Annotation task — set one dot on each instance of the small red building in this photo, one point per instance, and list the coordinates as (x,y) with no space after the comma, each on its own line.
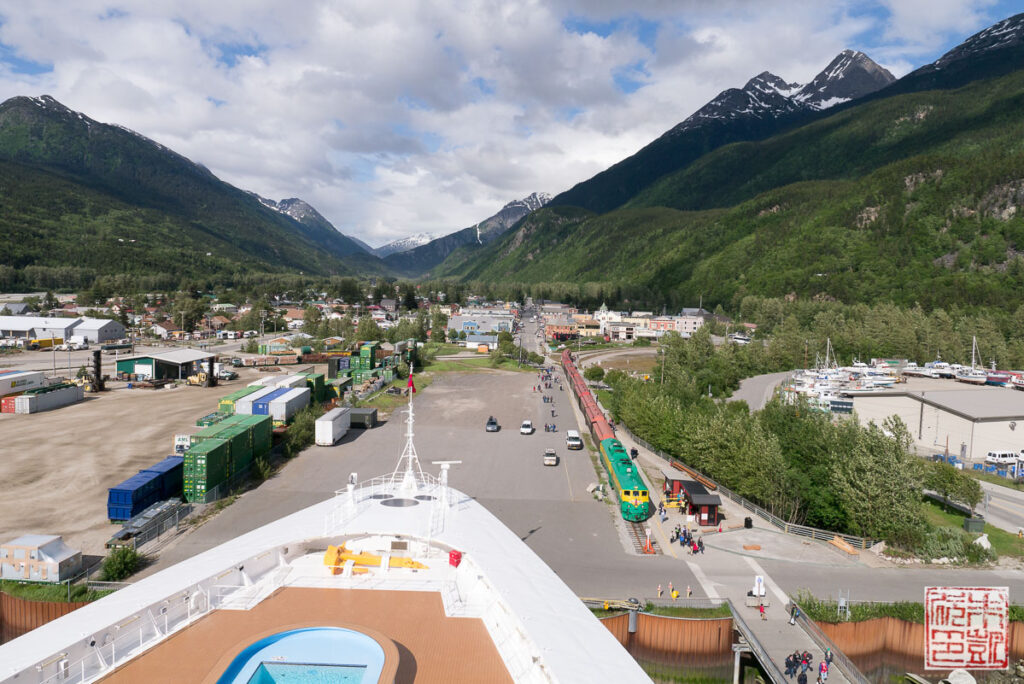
(698,502)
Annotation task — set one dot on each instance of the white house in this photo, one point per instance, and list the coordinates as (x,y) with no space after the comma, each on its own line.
(39,557)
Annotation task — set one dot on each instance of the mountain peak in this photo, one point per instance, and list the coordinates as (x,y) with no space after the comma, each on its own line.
(851,74)
(1003,34)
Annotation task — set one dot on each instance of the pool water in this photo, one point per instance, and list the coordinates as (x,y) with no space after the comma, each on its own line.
(305,673)
(313,655)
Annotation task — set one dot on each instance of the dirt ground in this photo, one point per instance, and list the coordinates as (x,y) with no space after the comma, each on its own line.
(56,466)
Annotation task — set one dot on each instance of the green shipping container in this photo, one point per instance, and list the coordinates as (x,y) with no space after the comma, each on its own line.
(211,419)
(206,465)
(315,382)
(262,430)
(227,404)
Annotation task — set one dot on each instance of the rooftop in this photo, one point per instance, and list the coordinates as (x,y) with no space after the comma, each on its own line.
(990,403)
(177,356)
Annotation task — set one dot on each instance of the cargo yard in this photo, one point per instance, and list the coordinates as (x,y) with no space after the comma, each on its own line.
(58,465)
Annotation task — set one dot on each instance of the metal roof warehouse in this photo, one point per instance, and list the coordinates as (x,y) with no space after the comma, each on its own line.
(176,364)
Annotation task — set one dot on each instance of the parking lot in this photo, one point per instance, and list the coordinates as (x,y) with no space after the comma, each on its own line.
(548,507)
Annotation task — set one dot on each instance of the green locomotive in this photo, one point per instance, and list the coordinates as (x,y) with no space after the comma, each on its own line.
(634,499)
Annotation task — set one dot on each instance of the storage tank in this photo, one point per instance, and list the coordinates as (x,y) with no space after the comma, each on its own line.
(332,426)
(283,408)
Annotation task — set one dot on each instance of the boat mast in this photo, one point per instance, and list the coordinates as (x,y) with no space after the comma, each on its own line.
(409,456)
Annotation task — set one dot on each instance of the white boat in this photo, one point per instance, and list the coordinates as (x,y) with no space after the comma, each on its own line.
(940,368)
(1017,382)
(915,371)
(973,375)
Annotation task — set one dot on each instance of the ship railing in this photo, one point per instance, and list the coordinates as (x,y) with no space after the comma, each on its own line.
(115,644)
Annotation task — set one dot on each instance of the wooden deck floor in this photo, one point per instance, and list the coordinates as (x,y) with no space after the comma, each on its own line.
(430,647)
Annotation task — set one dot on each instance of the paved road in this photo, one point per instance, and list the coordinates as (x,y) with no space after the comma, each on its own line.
(756,391)
(1003,507)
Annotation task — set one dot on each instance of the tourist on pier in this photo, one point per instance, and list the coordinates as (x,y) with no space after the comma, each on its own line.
(790,669)
(823,670)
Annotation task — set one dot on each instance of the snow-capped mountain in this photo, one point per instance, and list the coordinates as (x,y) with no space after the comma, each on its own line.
(421,258)
(1006,33)
(850,75)
(304,213)
(404,244)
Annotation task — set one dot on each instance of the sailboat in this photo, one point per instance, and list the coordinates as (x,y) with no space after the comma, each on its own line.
(973,375)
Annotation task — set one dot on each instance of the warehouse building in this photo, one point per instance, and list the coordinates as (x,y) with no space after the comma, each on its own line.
(39,558)
(99,330)
(971,422)
(174,365)
(33,327)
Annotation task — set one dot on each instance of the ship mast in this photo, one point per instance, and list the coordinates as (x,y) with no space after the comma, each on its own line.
(413,473)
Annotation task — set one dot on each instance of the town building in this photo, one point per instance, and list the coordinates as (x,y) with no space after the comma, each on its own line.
(175,365)
(482,343)
(98,330)
(480,324)
(39,558)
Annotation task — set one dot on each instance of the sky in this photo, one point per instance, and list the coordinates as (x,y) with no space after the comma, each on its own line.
(400,117)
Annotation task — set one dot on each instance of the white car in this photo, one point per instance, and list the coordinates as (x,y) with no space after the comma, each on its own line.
(526,428)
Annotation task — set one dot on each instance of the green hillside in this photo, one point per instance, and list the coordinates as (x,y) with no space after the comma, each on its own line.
(912,198)
(78,194)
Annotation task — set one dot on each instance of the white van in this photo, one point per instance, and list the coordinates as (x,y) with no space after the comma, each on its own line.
(572,440)
(1002,458)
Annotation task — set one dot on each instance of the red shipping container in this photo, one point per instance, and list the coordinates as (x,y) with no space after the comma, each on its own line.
(7,403)
(454,558)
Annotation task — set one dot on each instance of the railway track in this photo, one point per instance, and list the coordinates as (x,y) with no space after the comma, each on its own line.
(638,535)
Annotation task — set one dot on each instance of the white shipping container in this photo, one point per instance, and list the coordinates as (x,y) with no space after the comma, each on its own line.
(58,398)
(288,404)
(332,426)
(292,381)
(243,406)
(26,403)
(19,381)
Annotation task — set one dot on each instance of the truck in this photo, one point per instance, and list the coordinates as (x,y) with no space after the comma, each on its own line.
(45,343)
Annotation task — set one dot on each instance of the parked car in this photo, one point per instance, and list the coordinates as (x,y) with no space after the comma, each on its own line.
(492,424)
(526,428)
(226,374)
(237,362)
(572,440)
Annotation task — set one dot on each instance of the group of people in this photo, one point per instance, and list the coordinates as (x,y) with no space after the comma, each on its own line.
(674,593)
(687,540)
(798,664)
(549,427)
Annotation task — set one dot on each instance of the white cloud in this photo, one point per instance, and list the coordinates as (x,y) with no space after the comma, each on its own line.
(403,117)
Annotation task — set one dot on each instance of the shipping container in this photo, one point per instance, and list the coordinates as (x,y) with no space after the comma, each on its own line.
(283,408)
(133,495)
(332,426)
(291,381)
(363,417)
(19,381)
(211,419)
(57,398)
(261,407)
(227,404)
(315,383)
(206,466)
(7,403)
(244,405)
(171,471)
(261,433)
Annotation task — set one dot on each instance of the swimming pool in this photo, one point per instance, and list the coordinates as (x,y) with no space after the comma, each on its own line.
(313,655)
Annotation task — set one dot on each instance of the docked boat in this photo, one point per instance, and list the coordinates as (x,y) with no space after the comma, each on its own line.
(940,368)
(1017,382)
(998,378)
(973,375)
(915,371)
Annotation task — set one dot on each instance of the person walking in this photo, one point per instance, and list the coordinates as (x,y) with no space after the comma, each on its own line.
(801,678)
(823,670)
(689,592)
(659,591)
(828,656)
(793,612)
(760,607)
(789,666)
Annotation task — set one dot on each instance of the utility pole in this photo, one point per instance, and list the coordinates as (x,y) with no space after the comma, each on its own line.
(663,357)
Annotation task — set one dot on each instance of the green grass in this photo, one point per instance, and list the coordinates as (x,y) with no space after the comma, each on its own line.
(996,480)
(824,610)
(50,592)
(1003,543)
(721,611)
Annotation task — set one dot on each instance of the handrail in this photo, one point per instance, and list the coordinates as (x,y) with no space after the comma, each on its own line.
(787,527)
(771,668)
(819,637)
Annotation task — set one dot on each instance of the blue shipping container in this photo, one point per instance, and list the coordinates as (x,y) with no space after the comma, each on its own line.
(261,407)
(171,473)
(135,494)
(119,512)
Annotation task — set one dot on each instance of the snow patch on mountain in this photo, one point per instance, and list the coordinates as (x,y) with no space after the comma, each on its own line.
(1003,34)
(404,244)
(851,74)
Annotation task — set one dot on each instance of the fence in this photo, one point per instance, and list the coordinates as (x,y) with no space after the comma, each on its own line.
(787,527)
(19,616)
(809,626)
